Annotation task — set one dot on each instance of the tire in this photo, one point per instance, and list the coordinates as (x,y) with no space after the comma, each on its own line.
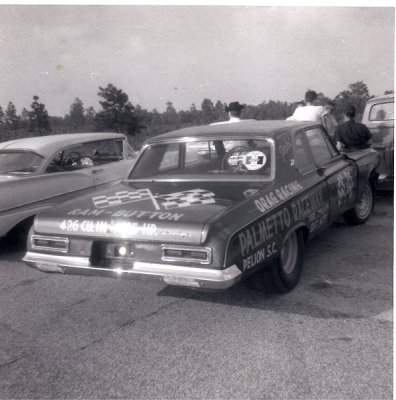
(359,214)
(283,274)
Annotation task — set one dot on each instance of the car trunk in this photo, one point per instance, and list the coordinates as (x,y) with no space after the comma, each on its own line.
(166,211)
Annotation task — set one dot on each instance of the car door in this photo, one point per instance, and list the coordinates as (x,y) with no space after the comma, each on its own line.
(51,184)
(379,118)
(314,182)
(83,166)
(340,173)
(113,160)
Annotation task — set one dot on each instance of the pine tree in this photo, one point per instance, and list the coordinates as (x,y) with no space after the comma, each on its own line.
(2,117)
(117,112)
(11,117)
(38,118)
(77,117)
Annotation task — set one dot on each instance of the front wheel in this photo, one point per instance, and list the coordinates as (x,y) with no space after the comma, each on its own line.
(361,212)
(283,274)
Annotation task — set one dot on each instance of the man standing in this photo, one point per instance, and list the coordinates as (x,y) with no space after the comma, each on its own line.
(234,112)
(309,112)
(351,134)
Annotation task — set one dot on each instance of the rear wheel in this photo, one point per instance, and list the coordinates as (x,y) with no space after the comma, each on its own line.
(283,274)
(361,212)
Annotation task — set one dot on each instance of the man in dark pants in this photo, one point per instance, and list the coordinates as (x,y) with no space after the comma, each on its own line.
(351,134)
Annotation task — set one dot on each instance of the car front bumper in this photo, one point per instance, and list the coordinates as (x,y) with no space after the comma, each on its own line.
(170,274)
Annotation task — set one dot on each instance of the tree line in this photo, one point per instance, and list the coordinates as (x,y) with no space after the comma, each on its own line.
(117,114)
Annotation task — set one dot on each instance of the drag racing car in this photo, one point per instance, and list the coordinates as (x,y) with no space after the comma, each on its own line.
(208,206)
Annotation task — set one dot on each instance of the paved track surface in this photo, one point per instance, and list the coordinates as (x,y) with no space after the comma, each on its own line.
(64,336)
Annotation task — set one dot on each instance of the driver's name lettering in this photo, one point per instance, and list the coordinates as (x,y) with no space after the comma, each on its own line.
(148,214)
(259,256)
(256,235)
(86,212)
(273,198)
(162,216)
(123,228)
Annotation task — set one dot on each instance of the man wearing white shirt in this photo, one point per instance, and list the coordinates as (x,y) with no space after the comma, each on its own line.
(309,112)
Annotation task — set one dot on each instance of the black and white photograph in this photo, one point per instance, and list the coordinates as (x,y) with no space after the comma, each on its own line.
(196,201)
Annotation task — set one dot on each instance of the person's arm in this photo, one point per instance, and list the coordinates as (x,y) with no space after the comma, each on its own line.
(323,115)
(295,116)
(324,119)
(338,138)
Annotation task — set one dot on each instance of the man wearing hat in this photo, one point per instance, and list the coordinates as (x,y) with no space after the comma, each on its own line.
(234,110)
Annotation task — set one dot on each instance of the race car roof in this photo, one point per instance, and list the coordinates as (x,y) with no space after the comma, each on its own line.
(245,127)
(48,145)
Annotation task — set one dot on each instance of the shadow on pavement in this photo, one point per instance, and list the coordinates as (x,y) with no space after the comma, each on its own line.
(314,296)
(245,297)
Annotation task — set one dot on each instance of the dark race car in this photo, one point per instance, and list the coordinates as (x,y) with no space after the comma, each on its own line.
(207,206)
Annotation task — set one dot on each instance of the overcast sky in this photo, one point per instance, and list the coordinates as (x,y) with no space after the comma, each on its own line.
(184,54)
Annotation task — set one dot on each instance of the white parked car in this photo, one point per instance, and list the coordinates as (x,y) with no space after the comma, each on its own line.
(40,172)
(379,117)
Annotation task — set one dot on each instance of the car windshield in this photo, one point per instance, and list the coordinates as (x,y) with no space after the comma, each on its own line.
(237,159)
(19,162)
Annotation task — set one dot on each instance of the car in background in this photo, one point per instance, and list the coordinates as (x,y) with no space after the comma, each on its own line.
(379,116)
(207,206)
(37,173)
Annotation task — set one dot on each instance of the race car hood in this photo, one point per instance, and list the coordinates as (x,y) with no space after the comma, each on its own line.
(155,211)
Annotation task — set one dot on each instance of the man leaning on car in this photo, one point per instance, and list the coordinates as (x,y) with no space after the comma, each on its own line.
(352,134)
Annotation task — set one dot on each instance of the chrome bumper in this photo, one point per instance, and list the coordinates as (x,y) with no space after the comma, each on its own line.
(170,274)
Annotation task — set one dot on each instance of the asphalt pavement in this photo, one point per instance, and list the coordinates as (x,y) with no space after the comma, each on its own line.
(75,337)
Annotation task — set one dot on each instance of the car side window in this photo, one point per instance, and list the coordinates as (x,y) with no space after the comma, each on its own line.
(321,148)
(302,159)
(104,151)
(382,112)
(170,158)
(86,155)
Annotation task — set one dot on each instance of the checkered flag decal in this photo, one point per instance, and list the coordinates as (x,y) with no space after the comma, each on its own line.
(121,198)
(187,198)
